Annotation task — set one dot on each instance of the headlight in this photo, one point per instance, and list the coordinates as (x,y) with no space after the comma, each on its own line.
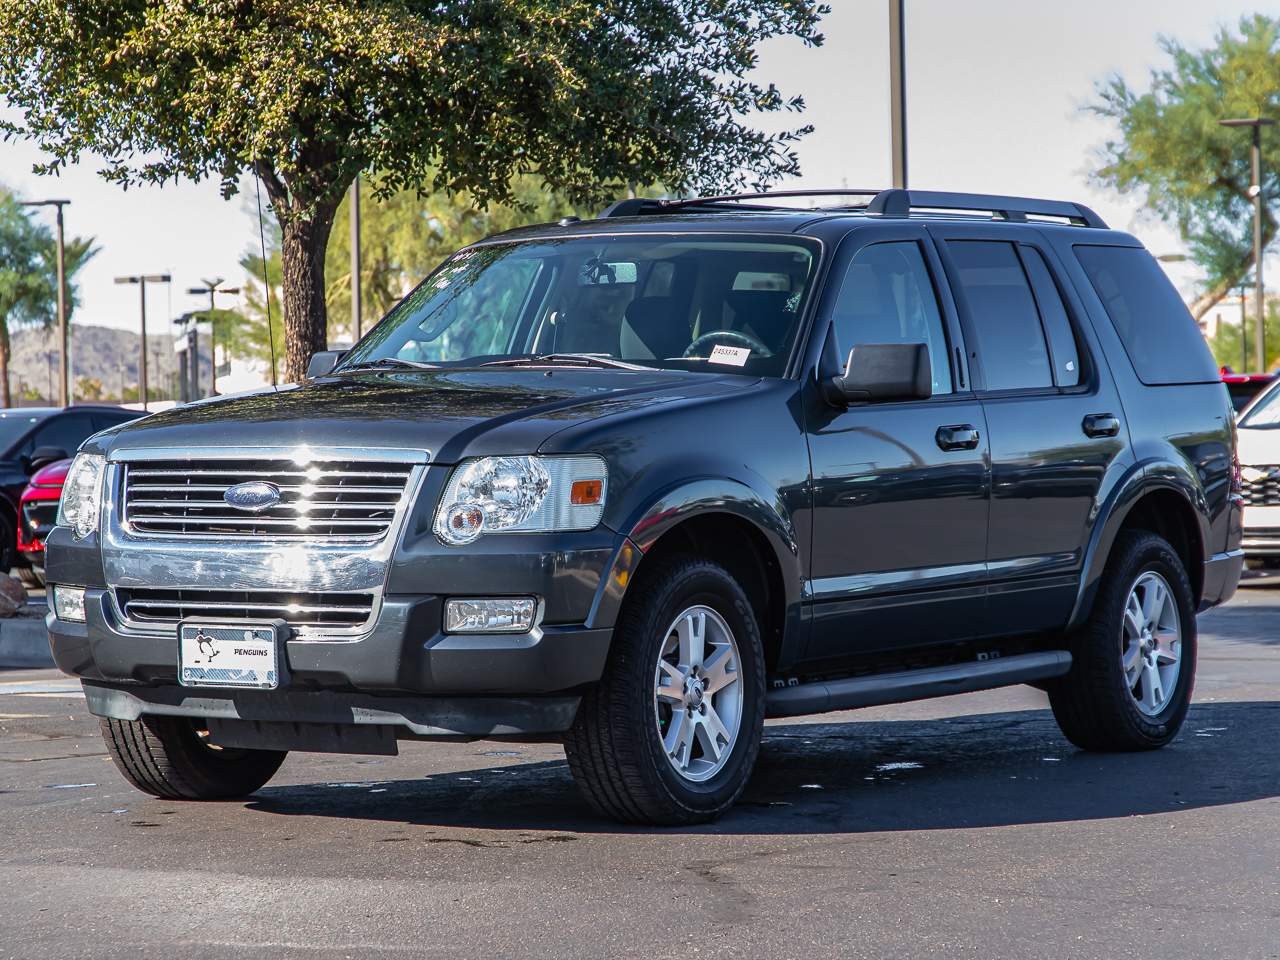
(81,500)
(521,495)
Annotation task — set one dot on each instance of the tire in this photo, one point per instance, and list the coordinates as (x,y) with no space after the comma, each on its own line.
(168,758)
(1095,704)
(8,543)
(615,747)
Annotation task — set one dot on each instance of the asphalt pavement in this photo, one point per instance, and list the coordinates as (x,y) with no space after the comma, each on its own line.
(965,827)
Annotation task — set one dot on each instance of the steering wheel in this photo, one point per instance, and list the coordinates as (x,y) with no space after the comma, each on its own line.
(737,336)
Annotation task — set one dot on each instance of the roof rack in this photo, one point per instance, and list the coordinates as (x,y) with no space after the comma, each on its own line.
(893,203)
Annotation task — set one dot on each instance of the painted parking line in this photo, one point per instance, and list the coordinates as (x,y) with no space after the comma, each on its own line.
(56,688)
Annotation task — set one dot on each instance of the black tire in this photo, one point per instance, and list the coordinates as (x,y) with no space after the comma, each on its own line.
(8,543)
(1093,703)
(168,758)
(614,749)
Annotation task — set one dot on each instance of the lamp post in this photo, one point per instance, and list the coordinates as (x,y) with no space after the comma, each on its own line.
(211,287)
(142,280)
(1255,192)
(898,90)
(64,398)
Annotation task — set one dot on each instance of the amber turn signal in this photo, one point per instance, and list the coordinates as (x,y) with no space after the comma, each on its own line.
(586,492)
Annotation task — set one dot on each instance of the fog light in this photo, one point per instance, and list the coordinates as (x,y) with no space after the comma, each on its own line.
(490,615)
(68,603)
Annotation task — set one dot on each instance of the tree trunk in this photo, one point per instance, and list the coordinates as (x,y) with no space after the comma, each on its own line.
(305,317)
(5,395)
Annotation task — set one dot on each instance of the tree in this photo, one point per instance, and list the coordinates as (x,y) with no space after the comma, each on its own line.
(28,276)
(1228,347)
(1192,172)
(439,95)
(89,388)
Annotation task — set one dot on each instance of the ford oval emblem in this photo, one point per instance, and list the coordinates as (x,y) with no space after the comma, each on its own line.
(254,496)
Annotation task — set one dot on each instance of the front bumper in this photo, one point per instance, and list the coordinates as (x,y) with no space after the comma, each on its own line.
(405,653)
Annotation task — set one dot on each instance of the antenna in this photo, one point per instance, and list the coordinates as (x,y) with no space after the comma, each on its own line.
(266,278)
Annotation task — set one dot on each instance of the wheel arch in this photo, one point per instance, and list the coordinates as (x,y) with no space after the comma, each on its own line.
(1162,500)
(733,524)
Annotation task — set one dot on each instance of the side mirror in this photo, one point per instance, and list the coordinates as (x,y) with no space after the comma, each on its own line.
(322,362)
(43,456)
(882,372)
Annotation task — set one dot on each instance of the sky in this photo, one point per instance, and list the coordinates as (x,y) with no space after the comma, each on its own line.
(995,91)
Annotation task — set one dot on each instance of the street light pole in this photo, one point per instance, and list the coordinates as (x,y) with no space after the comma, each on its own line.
(64,397)
(355,260)
(142,280)
(211,287)
(1255,191)
(898,90)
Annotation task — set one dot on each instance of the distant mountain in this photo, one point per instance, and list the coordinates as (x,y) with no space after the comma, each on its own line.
(106,354)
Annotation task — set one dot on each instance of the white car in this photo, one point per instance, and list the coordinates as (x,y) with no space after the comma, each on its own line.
(1258,448)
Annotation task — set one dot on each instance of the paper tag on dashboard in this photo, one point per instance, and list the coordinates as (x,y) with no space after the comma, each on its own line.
(733,356)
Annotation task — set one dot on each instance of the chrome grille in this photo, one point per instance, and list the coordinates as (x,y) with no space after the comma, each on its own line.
(320,610)
(355,500)
(1262,491)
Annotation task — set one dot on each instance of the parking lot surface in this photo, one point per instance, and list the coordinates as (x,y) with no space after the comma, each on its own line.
(965,827)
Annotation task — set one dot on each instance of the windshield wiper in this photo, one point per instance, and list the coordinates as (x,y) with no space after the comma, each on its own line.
(572,359)
(393,363)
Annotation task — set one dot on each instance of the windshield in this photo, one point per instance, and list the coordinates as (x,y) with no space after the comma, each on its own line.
(1266,412)
(14,426)
(672,302)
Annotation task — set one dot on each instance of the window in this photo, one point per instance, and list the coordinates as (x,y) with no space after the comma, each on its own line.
(66,432)
(887,297)
(1062,339)
(1005,320)
(1163,342)
(659,301)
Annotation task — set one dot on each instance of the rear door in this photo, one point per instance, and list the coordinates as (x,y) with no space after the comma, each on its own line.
(1056,424)
(899,488)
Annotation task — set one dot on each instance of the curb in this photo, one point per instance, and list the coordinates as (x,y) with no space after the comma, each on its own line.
(24,642)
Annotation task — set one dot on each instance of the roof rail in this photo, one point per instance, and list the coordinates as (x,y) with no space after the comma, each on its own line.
(885,203)
(900,203)
(646,206)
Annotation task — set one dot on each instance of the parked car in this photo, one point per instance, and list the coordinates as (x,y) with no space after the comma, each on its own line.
(37,513)
(30,438)
(1243,387)
(1259,451)
(641,482)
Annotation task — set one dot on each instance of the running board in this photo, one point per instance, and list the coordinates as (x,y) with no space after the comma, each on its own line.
(870,691)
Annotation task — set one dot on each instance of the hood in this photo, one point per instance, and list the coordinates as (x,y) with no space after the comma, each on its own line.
(450,413)
(51,475)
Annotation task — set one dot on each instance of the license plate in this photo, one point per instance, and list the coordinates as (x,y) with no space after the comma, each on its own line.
(225,655)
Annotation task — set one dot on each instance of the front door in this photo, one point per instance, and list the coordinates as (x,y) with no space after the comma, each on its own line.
(900,489)
(1058,432)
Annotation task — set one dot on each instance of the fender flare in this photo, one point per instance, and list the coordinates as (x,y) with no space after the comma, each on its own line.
(684,501)
(1142,478)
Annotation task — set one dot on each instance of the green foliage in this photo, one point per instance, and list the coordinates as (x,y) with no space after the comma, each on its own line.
(246,334)
(89,388)
(1192,172)
(404,236)
(436,95)
(1226,345)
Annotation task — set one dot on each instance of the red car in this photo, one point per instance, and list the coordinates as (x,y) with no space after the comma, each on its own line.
(37,511)
(1243,387)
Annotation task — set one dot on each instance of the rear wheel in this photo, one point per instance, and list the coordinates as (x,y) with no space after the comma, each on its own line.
(670,734)
(1134,661)
(172,758)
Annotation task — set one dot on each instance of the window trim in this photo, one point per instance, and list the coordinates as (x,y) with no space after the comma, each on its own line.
(1084,356)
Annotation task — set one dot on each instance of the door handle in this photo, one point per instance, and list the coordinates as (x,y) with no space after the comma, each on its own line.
(1101,425)
(962,436)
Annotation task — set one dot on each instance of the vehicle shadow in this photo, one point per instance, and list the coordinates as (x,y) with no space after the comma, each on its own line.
(973,771)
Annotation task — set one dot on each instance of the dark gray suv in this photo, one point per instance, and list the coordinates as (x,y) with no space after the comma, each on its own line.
(642,482)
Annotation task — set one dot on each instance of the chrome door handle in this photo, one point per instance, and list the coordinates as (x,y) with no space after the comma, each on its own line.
(962,436)
(1101,425)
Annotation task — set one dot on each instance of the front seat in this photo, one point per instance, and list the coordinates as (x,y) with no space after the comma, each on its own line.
(763,314)
(654,328)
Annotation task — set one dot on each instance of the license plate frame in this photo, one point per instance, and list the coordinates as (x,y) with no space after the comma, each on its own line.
(232,654)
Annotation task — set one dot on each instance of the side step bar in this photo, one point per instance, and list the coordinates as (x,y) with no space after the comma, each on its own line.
(884,688)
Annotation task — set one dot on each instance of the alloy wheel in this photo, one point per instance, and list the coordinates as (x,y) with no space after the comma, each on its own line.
(1151,643)
(698,693)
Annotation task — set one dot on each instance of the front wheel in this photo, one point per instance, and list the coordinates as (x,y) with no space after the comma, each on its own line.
(1134,661)
(670,734)
(172,758)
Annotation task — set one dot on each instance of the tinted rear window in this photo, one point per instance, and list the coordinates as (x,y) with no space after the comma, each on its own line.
(1162,340)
